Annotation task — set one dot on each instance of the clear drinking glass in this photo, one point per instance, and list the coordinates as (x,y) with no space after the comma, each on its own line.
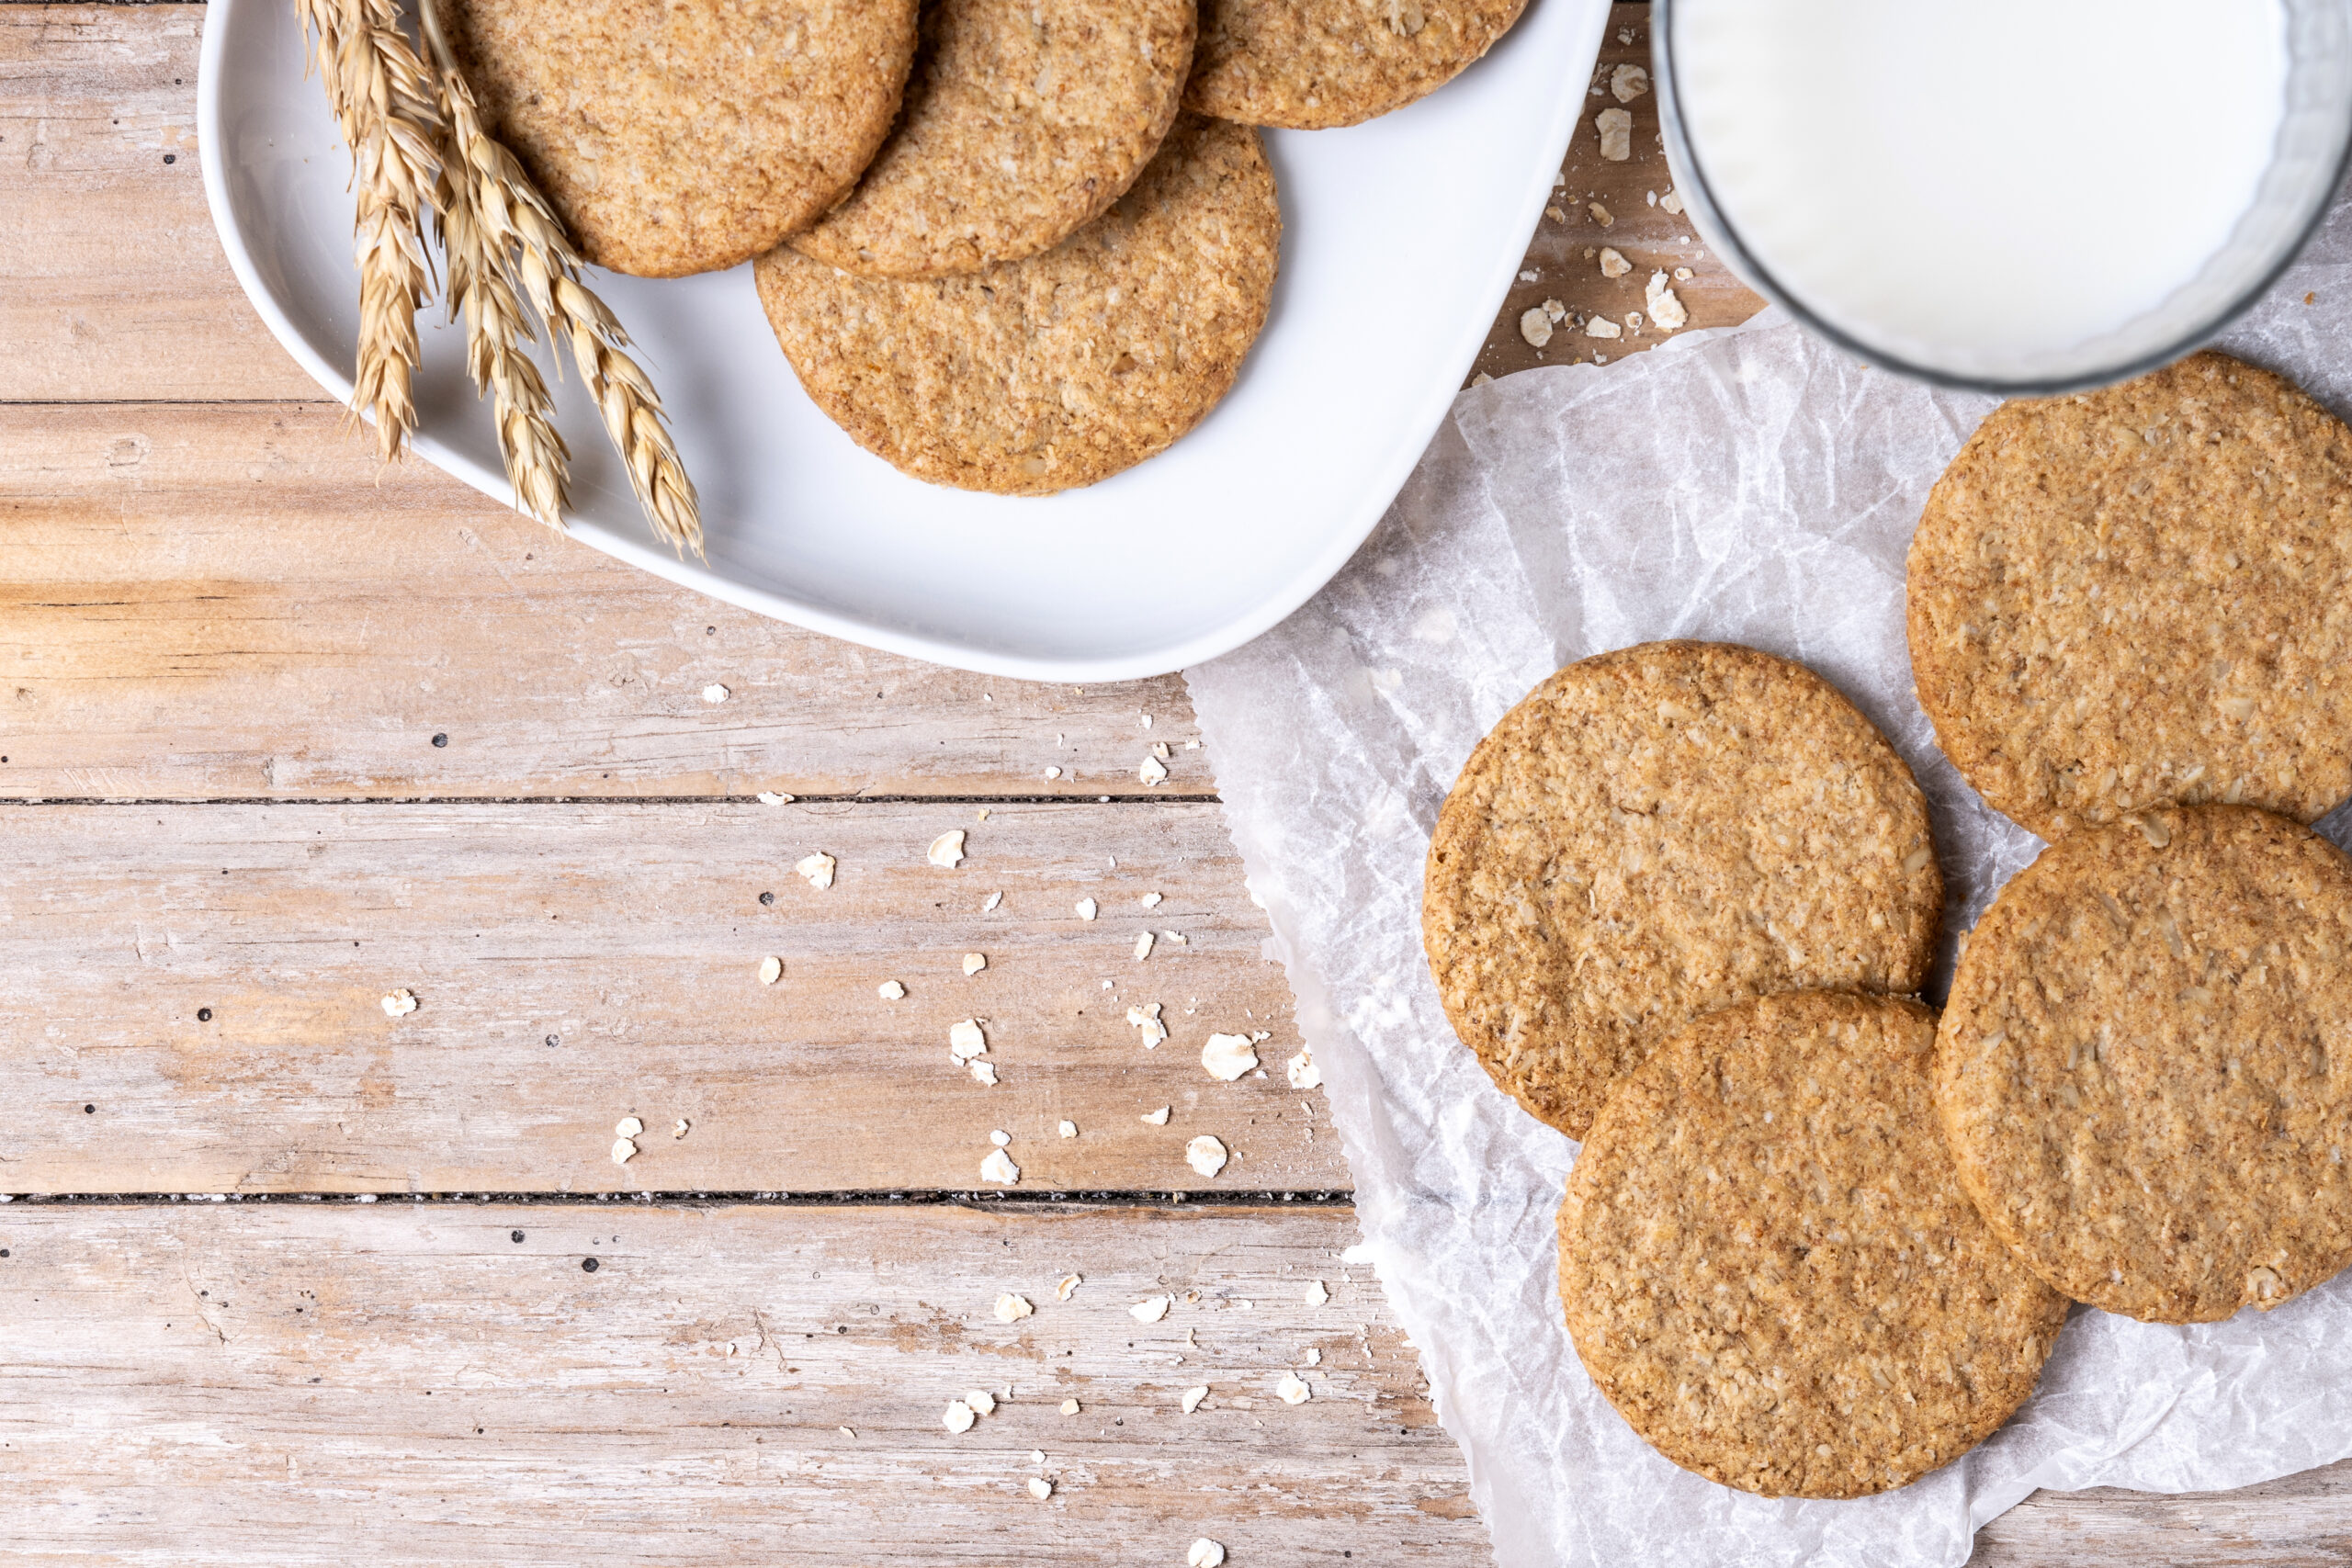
(2307,164)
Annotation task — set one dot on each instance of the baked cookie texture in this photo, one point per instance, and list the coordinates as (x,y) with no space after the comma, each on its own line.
(1042,375)
(1313,65)
(1023,119)
(2146,1069)
(2142,596)
(1770,1269)
(1658,832)
(682,136)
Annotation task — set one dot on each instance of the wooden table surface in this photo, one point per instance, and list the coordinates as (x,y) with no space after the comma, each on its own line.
(283,1279)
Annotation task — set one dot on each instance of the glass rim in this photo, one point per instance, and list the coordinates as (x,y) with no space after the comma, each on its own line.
(1708,215)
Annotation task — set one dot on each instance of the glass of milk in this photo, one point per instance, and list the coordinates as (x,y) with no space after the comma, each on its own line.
(2016,196)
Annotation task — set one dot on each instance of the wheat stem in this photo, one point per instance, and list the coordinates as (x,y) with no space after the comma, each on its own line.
(380,97)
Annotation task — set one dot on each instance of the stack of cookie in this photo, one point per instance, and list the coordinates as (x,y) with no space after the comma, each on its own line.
(1819,1241)
(1008,245)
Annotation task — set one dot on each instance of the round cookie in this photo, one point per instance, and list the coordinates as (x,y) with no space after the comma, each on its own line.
(1046,374)
(2145,1070)
(675,138)
(1313,65)
(1770,1269)
(1023,121)
(2142,596)
(1658,832)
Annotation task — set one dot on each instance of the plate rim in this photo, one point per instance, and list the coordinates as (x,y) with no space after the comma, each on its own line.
(1268,612)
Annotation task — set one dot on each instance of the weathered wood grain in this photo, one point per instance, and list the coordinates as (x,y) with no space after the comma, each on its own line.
(630,935)
(230,601)
(2300,1521)
(112,282)
(308,1386)
(1564,253)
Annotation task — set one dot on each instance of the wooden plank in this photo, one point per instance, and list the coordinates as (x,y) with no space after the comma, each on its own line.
(97,148)
(1564,253)
(304,1385)
(230,601)
(2299,1521)
(629,935)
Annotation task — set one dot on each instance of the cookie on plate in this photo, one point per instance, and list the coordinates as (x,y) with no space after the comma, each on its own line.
(676,138)
(1658,832)
(1313,65)
(2142,596)
(1046,374)
(1770,1269)
(1023,119)
(2146,1069)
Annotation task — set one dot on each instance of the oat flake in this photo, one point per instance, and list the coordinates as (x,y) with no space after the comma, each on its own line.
(1067,1129)
(1151,1309)
(958,1417)
(1011,1308)
(974,962)
(1143,946)
(1040,1488)
(1290,1390)
(1204,1553)
(1316,1294)
(818,869)
(946,851)
(1227,1056)
(964,1040)
(1069,1406)
(771,970)
(983,1072)
(999,1167)
(1087,908)
(1067,1287)
(1157,1118)
(1206,1154)
(889,990)
(627,1127)
(1303,1072)
(1192,1398)
(400,1003)
(982,1402)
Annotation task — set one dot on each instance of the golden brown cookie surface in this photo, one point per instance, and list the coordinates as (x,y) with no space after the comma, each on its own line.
(2146,1069)
(1046,374)
(2142,596)
(1658,832)
(1770,1269)
(675,137)
(1023,119)
(1312,64)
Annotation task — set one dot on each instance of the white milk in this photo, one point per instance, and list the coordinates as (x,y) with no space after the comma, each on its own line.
(1965,182)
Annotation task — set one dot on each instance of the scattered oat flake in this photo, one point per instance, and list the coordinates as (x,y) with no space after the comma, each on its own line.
(1000,1138)
(1555,214)
(1176,937)
(1227,1056)
(984,813)
(982,1072)
(946,851)
(1316,1295)
(1628,82)
(1151,900)
(1151,1309)
(1672,202)
(999,1167)
(982,1402)
(1527,276)
(771,970)
(682,1129)
(1052,773)
(1067,1287)
(627,1127)
(974,962)
(1192,1398)
(1290,1390)
(773,797)
(1206,1154)
(714,694)
(1040,1488)
(965,1040)
(988,905)
(1535,327)
(846,1432)
(1067,1129)
(623,1151)
(1602,326)
(1613,263)
(958,1417)
(1153,771)
(1616,129)
(1146,1016)
(400,1003)
(1304,1073)
(1204,1553)
(1482,380)
(1157,1118)
(1666,307)
(1599,214)
(1087,908)
(1069,1406)
(818,869)
(1143,946)
(1011,1308)
(889,990)
(1314,1356)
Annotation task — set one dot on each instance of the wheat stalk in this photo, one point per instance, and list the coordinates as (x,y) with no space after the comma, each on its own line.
(515,236)
(379,90)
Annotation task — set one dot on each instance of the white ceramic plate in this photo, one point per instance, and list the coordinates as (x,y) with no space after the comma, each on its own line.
(1400,238)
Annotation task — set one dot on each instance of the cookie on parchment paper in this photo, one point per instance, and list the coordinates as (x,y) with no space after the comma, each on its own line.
(1658,832)
(1042,375)
(2145,1068)
(1313,65)
(1023,119)
(2142,596)
(1768,1264)
(675,138)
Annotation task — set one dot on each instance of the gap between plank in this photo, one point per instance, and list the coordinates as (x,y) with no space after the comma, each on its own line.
(698,1198)
(145,802)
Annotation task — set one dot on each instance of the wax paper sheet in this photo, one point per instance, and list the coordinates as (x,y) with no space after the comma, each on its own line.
(1752,486)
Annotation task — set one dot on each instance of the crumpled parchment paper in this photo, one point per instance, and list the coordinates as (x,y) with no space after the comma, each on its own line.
(1755,486)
